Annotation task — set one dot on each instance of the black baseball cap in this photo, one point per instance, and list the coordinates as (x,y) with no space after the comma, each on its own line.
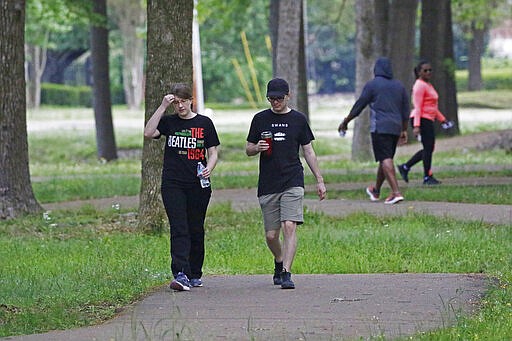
(277,87)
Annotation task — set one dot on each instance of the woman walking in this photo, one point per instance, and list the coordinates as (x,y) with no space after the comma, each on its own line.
(423,115)
(190,139)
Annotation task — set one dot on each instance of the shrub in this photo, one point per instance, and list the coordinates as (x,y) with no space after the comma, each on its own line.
(60,94)
(78,96)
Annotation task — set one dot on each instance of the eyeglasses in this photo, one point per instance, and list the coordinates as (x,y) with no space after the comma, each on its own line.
(276,99)
(179,101)
(427,70)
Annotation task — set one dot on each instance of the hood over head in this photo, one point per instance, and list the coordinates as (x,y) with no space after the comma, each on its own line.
(383,68)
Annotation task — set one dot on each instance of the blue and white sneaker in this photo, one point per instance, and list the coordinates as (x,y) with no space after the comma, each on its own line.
(196,282)
(180,283)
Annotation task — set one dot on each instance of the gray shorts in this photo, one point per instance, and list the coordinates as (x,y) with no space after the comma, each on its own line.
(279,207)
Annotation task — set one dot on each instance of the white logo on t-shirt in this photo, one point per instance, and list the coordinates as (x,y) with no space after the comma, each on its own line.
(280,136)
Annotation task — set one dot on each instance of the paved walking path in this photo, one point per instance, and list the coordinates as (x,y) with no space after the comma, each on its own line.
(322,307)
(246,199)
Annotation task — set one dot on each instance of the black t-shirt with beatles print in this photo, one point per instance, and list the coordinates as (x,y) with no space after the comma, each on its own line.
(283,168)
(187,141)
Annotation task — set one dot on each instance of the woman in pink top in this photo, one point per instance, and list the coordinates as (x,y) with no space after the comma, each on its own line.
(425,112)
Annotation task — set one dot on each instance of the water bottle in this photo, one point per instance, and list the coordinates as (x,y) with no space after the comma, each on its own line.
(447,125)
(267,136)
(204,181)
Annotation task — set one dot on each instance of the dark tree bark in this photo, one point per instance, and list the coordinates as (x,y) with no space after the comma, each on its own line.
(436,45)
(382,27)
(16,195)
(365,59)
(290,57)
(401,40)
(475,52)
(273,23)
(57,62)
(105,139)
(302,90)
(169,60)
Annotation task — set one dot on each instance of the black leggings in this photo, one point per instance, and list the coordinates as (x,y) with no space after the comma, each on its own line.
(186,210)
(428,139)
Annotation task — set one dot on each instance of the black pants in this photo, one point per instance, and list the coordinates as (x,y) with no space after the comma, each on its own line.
(428,140)
(186,210)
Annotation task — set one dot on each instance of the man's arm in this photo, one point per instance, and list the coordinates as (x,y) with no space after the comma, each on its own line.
(358,106)
(252,149)
(405,118)
(310,156)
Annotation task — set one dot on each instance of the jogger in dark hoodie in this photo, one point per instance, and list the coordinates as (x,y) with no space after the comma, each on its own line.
(389,115)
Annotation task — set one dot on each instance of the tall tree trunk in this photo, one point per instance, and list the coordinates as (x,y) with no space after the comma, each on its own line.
(169,60)
(16,195)
(475,51)
(290,54)
(105,139)
(133,69)
(273,23)
(302,91)
(129,16)
(382,27)
(36,64)
(365,59)
(395,25)
(436,45)
(401,38)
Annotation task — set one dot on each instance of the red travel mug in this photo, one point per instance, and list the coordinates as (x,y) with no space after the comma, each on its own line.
(267,136)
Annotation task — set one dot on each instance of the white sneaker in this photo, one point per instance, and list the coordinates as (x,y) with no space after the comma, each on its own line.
(393,199)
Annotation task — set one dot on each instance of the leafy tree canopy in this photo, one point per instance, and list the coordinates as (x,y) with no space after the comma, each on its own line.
(56,24)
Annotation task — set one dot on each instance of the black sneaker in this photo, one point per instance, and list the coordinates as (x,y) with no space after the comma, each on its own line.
(278,268)
(277,278)
(286,280)
(430,181)
(403,172)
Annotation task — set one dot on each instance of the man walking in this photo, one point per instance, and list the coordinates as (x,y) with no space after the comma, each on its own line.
(277,134)
(389,114)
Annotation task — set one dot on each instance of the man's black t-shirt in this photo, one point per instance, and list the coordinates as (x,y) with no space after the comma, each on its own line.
(186,145)
(283,168)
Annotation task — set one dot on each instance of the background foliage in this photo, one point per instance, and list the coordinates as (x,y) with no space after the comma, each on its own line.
(330,43)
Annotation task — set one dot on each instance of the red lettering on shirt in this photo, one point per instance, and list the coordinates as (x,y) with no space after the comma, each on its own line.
(197,132)
(195,154)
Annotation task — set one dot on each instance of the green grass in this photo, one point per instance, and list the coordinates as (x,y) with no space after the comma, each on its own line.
(74,173)
(86,187)
(492,99)
(495,78)
(79,267)
(74,269)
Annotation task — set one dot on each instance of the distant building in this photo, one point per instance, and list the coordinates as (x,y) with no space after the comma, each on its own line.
(500,40)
